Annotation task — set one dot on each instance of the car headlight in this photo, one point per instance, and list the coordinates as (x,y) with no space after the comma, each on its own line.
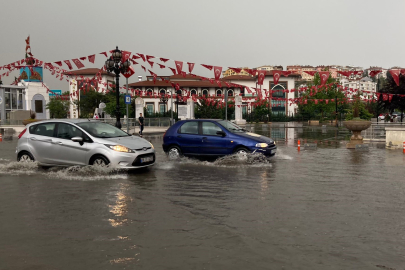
(263,145)
(152,146)
(120,148)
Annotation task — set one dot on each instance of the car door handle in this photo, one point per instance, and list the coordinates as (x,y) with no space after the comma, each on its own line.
(33,139)
(57,142)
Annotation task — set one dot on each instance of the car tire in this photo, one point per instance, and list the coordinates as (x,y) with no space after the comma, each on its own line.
(174,153)
(241,151)
(99,161)
(25,157)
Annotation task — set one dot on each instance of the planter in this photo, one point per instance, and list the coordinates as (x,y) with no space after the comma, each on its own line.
(29,121)
(356,127)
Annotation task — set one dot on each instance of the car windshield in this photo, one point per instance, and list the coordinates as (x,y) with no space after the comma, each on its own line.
(102,130)
(231,126)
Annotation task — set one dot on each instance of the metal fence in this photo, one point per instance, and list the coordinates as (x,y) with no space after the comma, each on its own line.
(377,131)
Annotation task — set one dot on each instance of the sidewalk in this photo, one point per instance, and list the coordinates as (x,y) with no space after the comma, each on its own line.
(147,130)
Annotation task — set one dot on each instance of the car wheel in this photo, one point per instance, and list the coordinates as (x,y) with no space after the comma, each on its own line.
(25,157)
(100,161)
(174,153)
(241,151)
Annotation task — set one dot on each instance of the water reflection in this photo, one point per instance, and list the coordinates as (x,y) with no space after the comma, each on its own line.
(119,208)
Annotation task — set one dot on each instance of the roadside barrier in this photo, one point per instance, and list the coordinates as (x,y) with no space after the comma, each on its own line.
(299,146)
(404,147)
(1,139)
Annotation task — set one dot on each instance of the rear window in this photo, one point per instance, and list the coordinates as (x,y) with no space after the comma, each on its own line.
(189,128)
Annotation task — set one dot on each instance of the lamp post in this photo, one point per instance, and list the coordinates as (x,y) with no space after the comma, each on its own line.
(163,99)
(116,65)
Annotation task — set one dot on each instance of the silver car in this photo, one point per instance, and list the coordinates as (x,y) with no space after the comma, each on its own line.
(83,142)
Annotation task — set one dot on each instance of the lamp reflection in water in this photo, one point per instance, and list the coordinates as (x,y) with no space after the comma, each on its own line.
(119,209)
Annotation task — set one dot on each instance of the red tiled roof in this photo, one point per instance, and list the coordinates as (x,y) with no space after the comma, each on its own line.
(181,83)
(88,71)
(188,76)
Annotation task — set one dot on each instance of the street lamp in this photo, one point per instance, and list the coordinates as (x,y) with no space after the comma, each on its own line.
(116,65)
(163,99)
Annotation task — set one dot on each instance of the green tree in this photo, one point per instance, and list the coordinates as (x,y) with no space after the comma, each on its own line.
(320,109)
(88,102)
(390,87)
(59,106)
(209,108)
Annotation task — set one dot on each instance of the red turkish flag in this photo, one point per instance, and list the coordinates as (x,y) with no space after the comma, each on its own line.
(142,56)
(125,56)
(161,66)
(316,101)
(374,72)
(276,76)
(78,63)
(150,63)
(217,72)
(173,70)
(179,66)
(67,62)
(311,72)
(395,75)
(83,58)
(148,57)
(104,53)
(92,58)
(59,63)
(260,76)
(190,67)
(250,71)
(324,76)
(286,73)
(326,101)
(184,74)
(129,72)
(164,59)
(237,70)
(207,66)
(144,69)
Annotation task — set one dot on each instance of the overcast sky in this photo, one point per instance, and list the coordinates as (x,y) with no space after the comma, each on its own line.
(225,33)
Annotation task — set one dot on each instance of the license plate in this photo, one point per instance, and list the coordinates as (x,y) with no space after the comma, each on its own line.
(146,159)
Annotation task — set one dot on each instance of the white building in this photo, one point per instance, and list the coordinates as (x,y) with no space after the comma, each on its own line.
(365,84)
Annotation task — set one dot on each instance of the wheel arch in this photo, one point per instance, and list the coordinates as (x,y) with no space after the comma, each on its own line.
(94,156)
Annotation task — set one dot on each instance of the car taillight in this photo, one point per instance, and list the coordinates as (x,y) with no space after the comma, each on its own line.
(22,133)
(164,134)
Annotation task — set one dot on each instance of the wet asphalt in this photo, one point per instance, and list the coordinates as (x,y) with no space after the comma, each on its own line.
(322,208)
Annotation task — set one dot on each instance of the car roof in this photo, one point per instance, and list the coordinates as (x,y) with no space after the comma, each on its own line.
(73,121)
(216,120)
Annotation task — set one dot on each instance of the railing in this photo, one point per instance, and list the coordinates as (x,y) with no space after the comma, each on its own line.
(377,131)
(9,122)
(148,122)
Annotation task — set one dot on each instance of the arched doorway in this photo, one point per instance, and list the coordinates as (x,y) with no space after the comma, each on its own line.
(38,105)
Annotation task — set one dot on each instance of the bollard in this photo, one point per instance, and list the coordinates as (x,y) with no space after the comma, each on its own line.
(404,147)
(1,139)
(299,146)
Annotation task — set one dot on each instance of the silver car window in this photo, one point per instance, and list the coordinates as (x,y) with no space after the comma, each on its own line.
(102,130)
(45,129)
(66,131)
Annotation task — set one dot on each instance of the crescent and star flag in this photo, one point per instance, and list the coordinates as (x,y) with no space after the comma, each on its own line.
(67,62)
(311,72)
(260,76)
(78,64)
(207,66)
(286,73)
(276,76)
(324,76)
(237,70)
(179,66)
(125,56)
(190,67)
(217,72)
(395,75)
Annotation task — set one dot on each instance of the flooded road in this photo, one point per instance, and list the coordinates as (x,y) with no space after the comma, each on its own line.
(324,208)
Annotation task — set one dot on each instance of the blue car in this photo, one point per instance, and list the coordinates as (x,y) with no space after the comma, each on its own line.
(213,138)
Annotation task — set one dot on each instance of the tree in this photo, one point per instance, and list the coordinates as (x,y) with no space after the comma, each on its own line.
(111,104)
(390,87)
(88,102)
(59,106)
(329,92)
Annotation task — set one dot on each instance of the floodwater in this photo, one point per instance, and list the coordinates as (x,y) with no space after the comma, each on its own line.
(321,208)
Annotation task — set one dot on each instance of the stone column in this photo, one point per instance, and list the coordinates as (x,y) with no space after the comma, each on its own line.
(139,103)
(238,111)
(190,109)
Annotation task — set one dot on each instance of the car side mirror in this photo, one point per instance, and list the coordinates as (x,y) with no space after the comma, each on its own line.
(221,133)
(77,139)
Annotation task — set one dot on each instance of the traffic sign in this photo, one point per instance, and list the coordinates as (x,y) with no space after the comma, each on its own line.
(127,99)
(130,71)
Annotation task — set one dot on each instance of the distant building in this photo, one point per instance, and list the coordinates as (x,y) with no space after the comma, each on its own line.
(365,84)
(230,72)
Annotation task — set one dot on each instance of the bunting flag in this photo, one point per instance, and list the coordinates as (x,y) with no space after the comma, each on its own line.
(91,58)
(59,63)
(260,76)
(324,76)
(173,70)
(164,59)
(208,66)
(237,70)
(276,76)
(179,66)
(311,72)
(142,56)
(104,53)
(144,69)
(67,62)
(125,56)
(148,57)
(286,73)
(161,66)
(250,71)
(78,64)
(217,72)
(150,63)
(83,58)
(395,75)
(190,67)
(135,57)
(373,73)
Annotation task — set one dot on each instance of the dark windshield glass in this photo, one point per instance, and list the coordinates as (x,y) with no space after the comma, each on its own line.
(102,130)
(231,126)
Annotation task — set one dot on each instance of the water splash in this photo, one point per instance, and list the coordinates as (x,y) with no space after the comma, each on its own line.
(17,168)
(87,173)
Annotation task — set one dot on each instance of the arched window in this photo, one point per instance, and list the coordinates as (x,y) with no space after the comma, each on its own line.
(162,92)
(149,92)
(219,93)
(230,93)
(205,92)
(193,92)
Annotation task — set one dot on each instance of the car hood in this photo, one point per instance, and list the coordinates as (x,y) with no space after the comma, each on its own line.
(132,142)
(256,137)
